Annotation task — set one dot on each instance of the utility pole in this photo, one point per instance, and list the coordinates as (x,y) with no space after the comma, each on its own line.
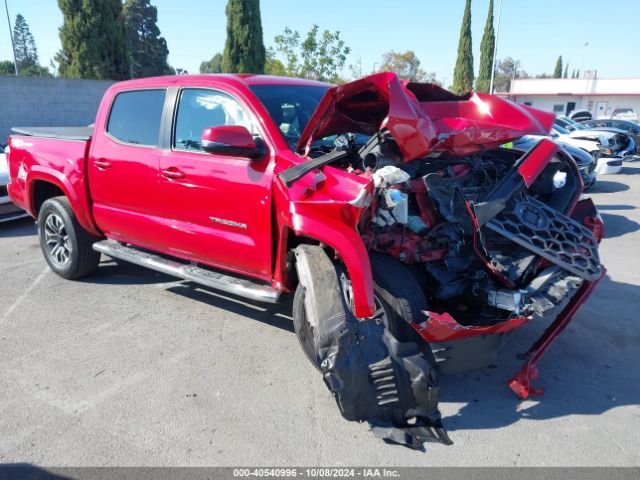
(495,50)
(13,47)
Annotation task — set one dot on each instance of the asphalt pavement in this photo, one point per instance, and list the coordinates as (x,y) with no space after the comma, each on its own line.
(130,368)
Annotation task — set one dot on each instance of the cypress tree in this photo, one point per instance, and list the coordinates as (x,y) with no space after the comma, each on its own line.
(487,47)
(148,51)
(557,72)
(244,50)
(25,45)
(93,40)
(566,71)
(463,73)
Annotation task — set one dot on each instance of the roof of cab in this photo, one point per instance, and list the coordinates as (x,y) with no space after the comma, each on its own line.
(245,79)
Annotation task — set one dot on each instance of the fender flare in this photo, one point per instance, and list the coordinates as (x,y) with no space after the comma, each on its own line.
(79,205)
(349,246)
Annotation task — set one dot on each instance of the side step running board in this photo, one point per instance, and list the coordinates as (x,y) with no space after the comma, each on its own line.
(219,281)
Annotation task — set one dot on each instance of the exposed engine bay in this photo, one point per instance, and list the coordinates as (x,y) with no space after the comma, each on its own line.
(485,246)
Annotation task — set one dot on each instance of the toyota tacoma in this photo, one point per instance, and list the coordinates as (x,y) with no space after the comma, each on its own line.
(414,242)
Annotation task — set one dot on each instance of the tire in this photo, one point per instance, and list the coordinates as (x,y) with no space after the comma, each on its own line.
(394,286)
(328,300)
(66,246)
(303,329)
(372,375)
(402,296)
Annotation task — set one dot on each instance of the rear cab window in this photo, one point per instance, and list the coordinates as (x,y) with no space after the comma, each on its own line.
(136,116)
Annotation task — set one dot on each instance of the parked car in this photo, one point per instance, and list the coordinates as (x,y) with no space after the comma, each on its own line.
(630,128)
(8,211)
(586,162)
(604,147)
(622,144)
(625,113)
(415,244)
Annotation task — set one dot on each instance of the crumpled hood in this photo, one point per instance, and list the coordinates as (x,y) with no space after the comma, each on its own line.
(422,117)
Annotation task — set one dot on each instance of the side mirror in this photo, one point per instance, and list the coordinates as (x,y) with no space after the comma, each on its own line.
(232,140)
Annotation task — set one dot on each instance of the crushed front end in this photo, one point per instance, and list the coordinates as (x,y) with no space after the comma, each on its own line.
(497,239)
(494,237)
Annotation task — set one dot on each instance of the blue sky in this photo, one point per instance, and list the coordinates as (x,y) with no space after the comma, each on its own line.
(533,31)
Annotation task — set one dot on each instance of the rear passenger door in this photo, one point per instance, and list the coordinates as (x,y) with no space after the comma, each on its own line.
(123,169)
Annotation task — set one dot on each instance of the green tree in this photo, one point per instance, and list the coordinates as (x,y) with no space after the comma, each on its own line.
(557,72)
(24,44)
(26,51)
(148,51)
(566,71)
(244,50)
(507,70)
(273,66)
(487,47)
(212,66)
(7,67)
(93,40)
(463,73)
(318,57)
(406,65)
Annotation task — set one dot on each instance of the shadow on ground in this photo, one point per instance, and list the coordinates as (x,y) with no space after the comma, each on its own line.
(617,225)
(278,315)
(583,373)
(18,228)
(119,272)
(26,471)
(608,186)
(630,170)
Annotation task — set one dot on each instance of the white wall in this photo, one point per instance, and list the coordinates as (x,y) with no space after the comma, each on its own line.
(575,86)
(583,102)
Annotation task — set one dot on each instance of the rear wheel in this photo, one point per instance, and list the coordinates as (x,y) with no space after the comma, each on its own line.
(67,247)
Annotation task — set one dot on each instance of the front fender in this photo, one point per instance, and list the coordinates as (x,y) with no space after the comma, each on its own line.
(333,223)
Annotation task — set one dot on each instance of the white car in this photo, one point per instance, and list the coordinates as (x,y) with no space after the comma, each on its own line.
(8,211)
(625,113)
(597,145)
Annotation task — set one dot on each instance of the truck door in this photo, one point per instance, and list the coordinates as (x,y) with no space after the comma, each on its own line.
(123,168)
(218,208)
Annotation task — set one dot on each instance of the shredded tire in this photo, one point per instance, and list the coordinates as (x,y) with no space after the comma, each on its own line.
(372,375)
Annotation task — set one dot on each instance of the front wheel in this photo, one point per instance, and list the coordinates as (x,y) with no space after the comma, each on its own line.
(67,247)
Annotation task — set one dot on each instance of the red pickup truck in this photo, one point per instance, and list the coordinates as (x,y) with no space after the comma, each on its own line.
(414,243)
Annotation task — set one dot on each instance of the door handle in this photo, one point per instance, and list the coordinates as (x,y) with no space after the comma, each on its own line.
(172,173)
(102,164)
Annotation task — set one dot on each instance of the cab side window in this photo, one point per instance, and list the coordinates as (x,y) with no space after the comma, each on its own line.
(199,109)
(135,117)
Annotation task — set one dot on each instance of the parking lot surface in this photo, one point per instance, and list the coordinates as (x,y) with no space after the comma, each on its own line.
(130,367)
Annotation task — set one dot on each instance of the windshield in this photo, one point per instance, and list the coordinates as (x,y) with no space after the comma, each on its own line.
(561,130)
(574,124)
(290,107)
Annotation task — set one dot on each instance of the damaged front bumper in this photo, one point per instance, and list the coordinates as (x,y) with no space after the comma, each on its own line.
(457,347)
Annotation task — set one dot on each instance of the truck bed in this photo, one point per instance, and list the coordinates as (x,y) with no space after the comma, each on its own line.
(61,133)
